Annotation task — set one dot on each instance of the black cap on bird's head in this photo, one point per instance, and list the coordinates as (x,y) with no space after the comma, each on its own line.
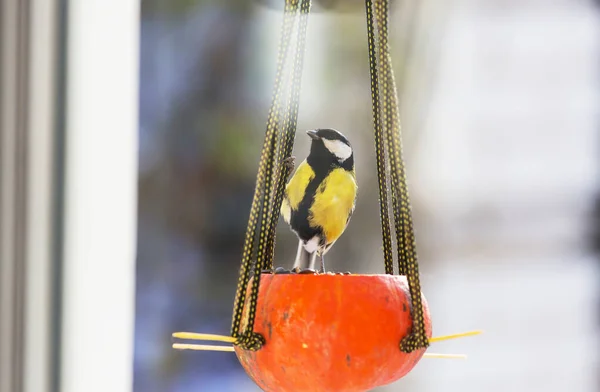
(327,134)
(330,145)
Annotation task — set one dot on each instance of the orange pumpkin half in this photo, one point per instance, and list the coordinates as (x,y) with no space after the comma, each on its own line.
(331,333)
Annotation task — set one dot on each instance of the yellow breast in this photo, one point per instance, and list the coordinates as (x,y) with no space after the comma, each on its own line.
(333,203)
(294,191)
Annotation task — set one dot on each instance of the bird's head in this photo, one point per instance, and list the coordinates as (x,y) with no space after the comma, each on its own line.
(329,143)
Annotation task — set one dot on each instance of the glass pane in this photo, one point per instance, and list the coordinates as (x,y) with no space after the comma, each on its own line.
(487,110)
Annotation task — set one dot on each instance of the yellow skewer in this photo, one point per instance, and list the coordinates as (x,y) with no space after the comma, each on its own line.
(229,339)
(202,347)
(444,356)
(204,336)
(454,336)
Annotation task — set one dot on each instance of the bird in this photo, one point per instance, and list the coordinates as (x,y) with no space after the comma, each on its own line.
(320,197)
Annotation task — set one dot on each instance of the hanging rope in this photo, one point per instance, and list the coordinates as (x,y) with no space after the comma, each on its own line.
(382,72)
(287,136)
(379,145)
(277,148)
(251,341)
(264,203)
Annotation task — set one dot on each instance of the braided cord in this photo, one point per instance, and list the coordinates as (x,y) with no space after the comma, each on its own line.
(288,133)
(392,128)
(407,255)
(379,144)
(250,340)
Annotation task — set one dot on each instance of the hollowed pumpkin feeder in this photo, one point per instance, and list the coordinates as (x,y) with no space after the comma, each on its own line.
(310,331)
(338,332)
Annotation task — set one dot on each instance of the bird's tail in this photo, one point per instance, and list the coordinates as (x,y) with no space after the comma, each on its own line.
(304,259)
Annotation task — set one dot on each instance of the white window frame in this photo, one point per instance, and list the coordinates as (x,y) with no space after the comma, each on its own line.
(100,196)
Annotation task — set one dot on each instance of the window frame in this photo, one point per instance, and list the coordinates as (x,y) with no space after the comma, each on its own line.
(100,200)
(68,194)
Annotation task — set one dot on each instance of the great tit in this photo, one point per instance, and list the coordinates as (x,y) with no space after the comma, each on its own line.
(320,197)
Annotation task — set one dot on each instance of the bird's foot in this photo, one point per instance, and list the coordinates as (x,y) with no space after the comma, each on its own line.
(290,163)
(303,271)
(282,271)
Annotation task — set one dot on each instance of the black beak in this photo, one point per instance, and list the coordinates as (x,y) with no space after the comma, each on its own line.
(313,134)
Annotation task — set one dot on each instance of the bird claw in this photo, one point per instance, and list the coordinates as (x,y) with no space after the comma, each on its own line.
(289,162)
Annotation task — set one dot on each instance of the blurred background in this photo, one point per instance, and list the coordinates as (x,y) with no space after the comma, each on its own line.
(126,183)
(500,111)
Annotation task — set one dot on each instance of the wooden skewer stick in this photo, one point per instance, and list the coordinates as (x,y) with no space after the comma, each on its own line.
(444,356)
(202,347)
(229,339)
(204,336)
(454,336)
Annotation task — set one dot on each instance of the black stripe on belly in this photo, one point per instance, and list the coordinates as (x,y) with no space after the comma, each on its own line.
(299,219)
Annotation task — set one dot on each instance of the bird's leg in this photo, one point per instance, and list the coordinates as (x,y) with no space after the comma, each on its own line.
(303,258)
(312,261)
(322,255)
(322,260)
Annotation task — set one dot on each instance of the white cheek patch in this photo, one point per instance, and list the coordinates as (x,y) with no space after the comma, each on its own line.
(338,148)
(312,245)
